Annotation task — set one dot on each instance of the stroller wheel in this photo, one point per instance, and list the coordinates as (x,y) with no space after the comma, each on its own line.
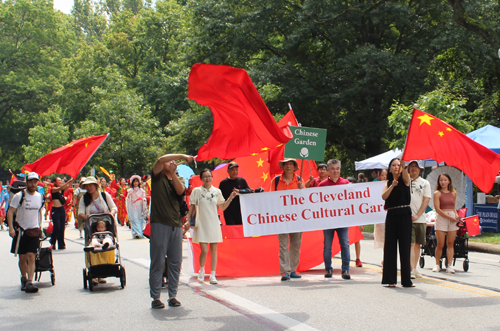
(422,262)
(123,278)
(466,265)
(84,278)
(53,278)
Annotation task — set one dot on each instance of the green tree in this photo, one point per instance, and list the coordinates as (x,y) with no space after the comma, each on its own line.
(135,139)
(46,136)
(440,103)
(33,41)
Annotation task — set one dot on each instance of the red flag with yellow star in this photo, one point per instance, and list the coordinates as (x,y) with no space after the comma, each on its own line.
(429,137)
(242,124)
(473,227)
(68,159)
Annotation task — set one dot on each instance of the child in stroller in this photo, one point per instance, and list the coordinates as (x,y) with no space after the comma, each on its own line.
(101,241)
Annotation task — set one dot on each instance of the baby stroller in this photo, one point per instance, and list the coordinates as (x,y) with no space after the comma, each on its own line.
(44,262)
(103,263)
(461,247)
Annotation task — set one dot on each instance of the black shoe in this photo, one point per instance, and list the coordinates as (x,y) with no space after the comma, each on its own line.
(88,249)
(105,246)
(345,275)
(24,281)
(157,304)
(174,302)
(30,288)
(329,274)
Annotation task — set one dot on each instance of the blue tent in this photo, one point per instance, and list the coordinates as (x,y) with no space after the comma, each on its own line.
(488,136)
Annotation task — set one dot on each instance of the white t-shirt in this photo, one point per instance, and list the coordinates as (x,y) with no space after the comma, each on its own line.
(97,206)
(419,189)
(28,215)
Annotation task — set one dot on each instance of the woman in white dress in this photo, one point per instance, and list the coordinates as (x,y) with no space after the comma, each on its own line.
(136,207)
(204,201)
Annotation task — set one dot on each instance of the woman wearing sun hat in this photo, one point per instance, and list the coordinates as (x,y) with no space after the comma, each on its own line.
(136,206)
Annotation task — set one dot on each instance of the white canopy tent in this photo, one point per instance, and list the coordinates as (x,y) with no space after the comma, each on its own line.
(381,161)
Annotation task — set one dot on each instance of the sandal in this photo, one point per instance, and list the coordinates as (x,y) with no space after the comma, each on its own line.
(102,281)
(391,285)
(95,281)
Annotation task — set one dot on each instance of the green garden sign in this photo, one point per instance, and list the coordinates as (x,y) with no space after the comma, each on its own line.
(306,144)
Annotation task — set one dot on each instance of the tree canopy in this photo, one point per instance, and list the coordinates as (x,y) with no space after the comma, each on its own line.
(355,68)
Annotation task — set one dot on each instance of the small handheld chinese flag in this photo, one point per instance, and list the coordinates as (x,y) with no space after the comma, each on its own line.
(473,227)
(429,137)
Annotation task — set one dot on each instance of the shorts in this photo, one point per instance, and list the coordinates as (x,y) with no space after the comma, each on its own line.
(418,233)
(444,224)
(27,244)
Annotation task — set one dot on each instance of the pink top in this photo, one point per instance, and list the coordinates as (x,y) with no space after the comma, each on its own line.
(447,200)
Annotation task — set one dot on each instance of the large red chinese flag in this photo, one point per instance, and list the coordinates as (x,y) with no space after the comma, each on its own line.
(277,154)
(68,159)
(473,227)
(429,137)
(242,124)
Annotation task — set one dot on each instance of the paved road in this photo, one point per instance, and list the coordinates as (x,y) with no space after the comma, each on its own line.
(466,300)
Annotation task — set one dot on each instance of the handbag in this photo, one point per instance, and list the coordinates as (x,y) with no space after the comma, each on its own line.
(33,233)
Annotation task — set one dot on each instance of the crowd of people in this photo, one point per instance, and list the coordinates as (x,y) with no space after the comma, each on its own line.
(161,198)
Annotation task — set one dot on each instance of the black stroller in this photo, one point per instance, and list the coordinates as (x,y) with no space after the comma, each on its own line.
(461,247)
(44,262)
(103,263)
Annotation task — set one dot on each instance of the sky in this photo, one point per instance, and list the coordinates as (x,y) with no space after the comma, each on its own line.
(63,5)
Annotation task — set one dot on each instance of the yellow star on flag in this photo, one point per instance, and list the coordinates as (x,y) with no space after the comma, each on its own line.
(440,133)
(425,119)
(279,145)
(260,163)
(448,129)
(265,148)
(264,176)
(253,154)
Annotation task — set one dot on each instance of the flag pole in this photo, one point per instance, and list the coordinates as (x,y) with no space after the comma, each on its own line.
(301,168)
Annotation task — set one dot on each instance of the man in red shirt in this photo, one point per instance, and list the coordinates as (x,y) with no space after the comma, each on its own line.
(342,233)
(289,258)
(323,174)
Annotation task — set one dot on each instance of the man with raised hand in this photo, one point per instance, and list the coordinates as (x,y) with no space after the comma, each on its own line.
(166,228)
(27,205)
(342,233)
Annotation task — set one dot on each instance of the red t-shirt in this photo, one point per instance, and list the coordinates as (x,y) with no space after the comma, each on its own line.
(329,182)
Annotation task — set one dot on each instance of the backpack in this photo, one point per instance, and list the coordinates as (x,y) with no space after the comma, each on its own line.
(277,179)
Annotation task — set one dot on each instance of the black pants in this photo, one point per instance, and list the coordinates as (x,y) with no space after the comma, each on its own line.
(398,228)
(59,219)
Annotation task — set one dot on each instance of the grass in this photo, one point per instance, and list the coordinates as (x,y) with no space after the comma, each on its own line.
(369,228)
(487,237)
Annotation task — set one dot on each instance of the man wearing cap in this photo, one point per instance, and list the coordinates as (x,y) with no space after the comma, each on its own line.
(232,214)
(323,174)
(420,190)
(27,205)
(342,233)
(166,228)
(289,257)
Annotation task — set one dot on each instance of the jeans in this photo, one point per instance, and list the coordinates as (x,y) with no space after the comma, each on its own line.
(343,236)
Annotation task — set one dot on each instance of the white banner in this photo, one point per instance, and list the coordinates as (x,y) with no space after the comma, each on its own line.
(310,209)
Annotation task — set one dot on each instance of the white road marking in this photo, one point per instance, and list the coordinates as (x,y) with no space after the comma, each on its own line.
(250,306)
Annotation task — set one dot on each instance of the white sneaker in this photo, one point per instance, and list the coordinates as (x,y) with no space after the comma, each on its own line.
(450,270)
(201,277)
(436,268)
(213,280)
(418,274)
(412,275)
